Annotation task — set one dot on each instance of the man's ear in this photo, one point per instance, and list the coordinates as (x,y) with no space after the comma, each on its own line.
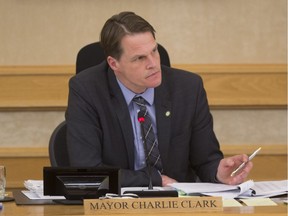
(113,63)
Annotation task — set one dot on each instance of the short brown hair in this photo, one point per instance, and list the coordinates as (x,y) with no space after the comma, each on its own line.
(119,25)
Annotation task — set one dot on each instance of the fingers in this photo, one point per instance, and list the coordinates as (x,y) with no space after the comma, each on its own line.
(235,161)
(228,165)
(228,162)
(240,159)
(167,180)
(242,174)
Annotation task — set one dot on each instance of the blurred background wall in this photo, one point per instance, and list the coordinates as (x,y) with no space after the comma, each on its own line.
(43,32)
(39,32)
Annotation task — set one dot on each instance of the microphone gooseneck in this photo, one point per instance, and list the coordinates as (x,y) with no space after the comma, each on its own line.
(141,119)
(150,192)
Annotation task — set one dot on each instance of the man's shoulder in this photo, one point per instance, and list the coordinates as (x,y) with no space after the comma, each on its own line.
(96,70)
(93,78)
(94,74)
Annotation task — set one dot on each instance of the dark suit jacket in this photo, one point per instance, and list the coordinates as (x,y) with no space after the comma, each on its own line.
(99,129)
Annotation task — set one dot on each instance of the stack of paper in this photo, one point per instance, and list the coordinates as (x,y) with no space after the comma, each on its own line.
(35,187)
(247,189)
(269,188)
(35,190)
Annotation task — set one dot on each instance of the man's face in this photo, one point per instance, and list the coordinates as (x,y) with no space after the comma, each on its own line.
(139,65)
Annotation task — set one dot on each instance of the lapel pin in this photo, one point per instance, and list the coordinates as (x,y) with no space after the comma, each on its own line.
(167,113)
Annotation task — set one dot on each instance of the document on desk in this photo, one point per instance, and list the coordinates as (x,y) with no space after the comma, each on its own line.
(247,189)
(269,188)
(35,190)
(256,201)
(36,196)
(214,189)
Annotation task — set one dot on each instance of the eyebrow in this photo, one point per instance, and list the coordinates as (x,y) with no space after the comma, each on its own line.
(137,56)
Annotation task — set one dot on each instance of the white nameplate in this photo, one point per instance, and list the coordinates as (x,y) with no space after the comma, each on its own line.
(152,205)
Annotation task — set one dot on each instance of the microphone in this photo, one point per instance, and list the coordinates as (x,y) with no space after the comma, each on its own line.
(150,192)
(141,120)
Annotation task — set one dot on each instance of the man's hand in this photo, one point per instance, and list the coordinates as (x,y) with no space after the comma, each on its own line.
(167,180)
(228,165)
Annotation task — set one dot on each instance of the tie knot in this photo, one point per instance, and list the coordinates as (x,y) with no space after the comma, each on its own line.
(140,101)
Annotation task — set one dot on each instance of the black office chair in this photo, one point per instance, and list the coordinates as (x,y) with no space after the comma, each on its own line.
(93,54)
(58,152)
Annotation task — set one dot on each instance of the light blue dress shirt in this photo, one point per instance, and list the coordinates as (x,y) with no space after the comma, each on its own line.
(148,95)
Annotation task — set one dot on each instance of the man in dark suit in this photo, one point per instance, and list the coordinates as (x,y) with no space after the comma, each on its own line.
(102,126)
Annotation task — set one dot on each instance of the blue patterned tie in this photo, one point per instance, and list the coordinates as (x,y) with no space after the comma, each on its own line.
(152,151)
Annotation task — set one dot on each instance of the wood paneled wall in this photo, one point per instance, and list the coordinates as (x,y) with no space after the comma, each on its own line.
(231,85)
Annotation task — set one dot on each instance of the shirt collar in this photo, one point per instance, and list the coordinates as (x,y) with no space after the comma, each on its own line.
(148,95)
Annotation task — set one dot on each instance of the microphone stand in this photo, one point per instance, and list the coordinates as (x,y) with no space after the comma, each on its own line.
(150,192)
(147,156)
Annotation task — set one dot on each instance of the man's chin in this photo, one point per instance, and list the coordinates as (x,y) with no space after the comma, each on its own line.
(155,84)
(154,80)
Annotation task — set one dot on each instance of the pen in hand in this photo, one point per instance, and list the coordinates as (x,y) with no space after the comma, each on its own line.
(244,163)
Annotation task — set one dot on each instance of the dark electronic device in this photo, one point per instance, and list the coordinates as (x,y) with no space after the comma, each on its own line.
(80,183)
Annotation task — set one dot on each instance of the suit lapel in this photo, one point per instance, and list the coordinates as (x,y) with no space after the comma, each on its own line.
(122,113)
(163,118)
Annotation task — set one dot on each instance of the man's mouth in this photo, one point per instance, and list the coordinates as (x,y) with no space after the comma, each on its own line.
(152,74)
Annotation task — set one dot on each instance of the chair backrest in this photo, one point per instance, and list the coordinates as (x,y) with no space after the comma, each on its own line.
(58,152)
(93,54)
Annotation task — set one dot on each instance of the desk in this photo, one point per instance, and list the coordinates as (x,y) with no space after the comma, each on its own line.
(11,209)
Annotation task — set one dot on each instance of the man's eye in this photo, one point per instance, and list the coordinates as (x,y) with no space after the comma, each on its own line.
(140,58)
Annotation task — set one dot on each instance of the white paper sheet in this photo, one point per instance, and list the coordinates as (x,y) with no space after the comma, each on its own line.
(268,188)
(35,190)
(214,189)
(33,196)
(247,189)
